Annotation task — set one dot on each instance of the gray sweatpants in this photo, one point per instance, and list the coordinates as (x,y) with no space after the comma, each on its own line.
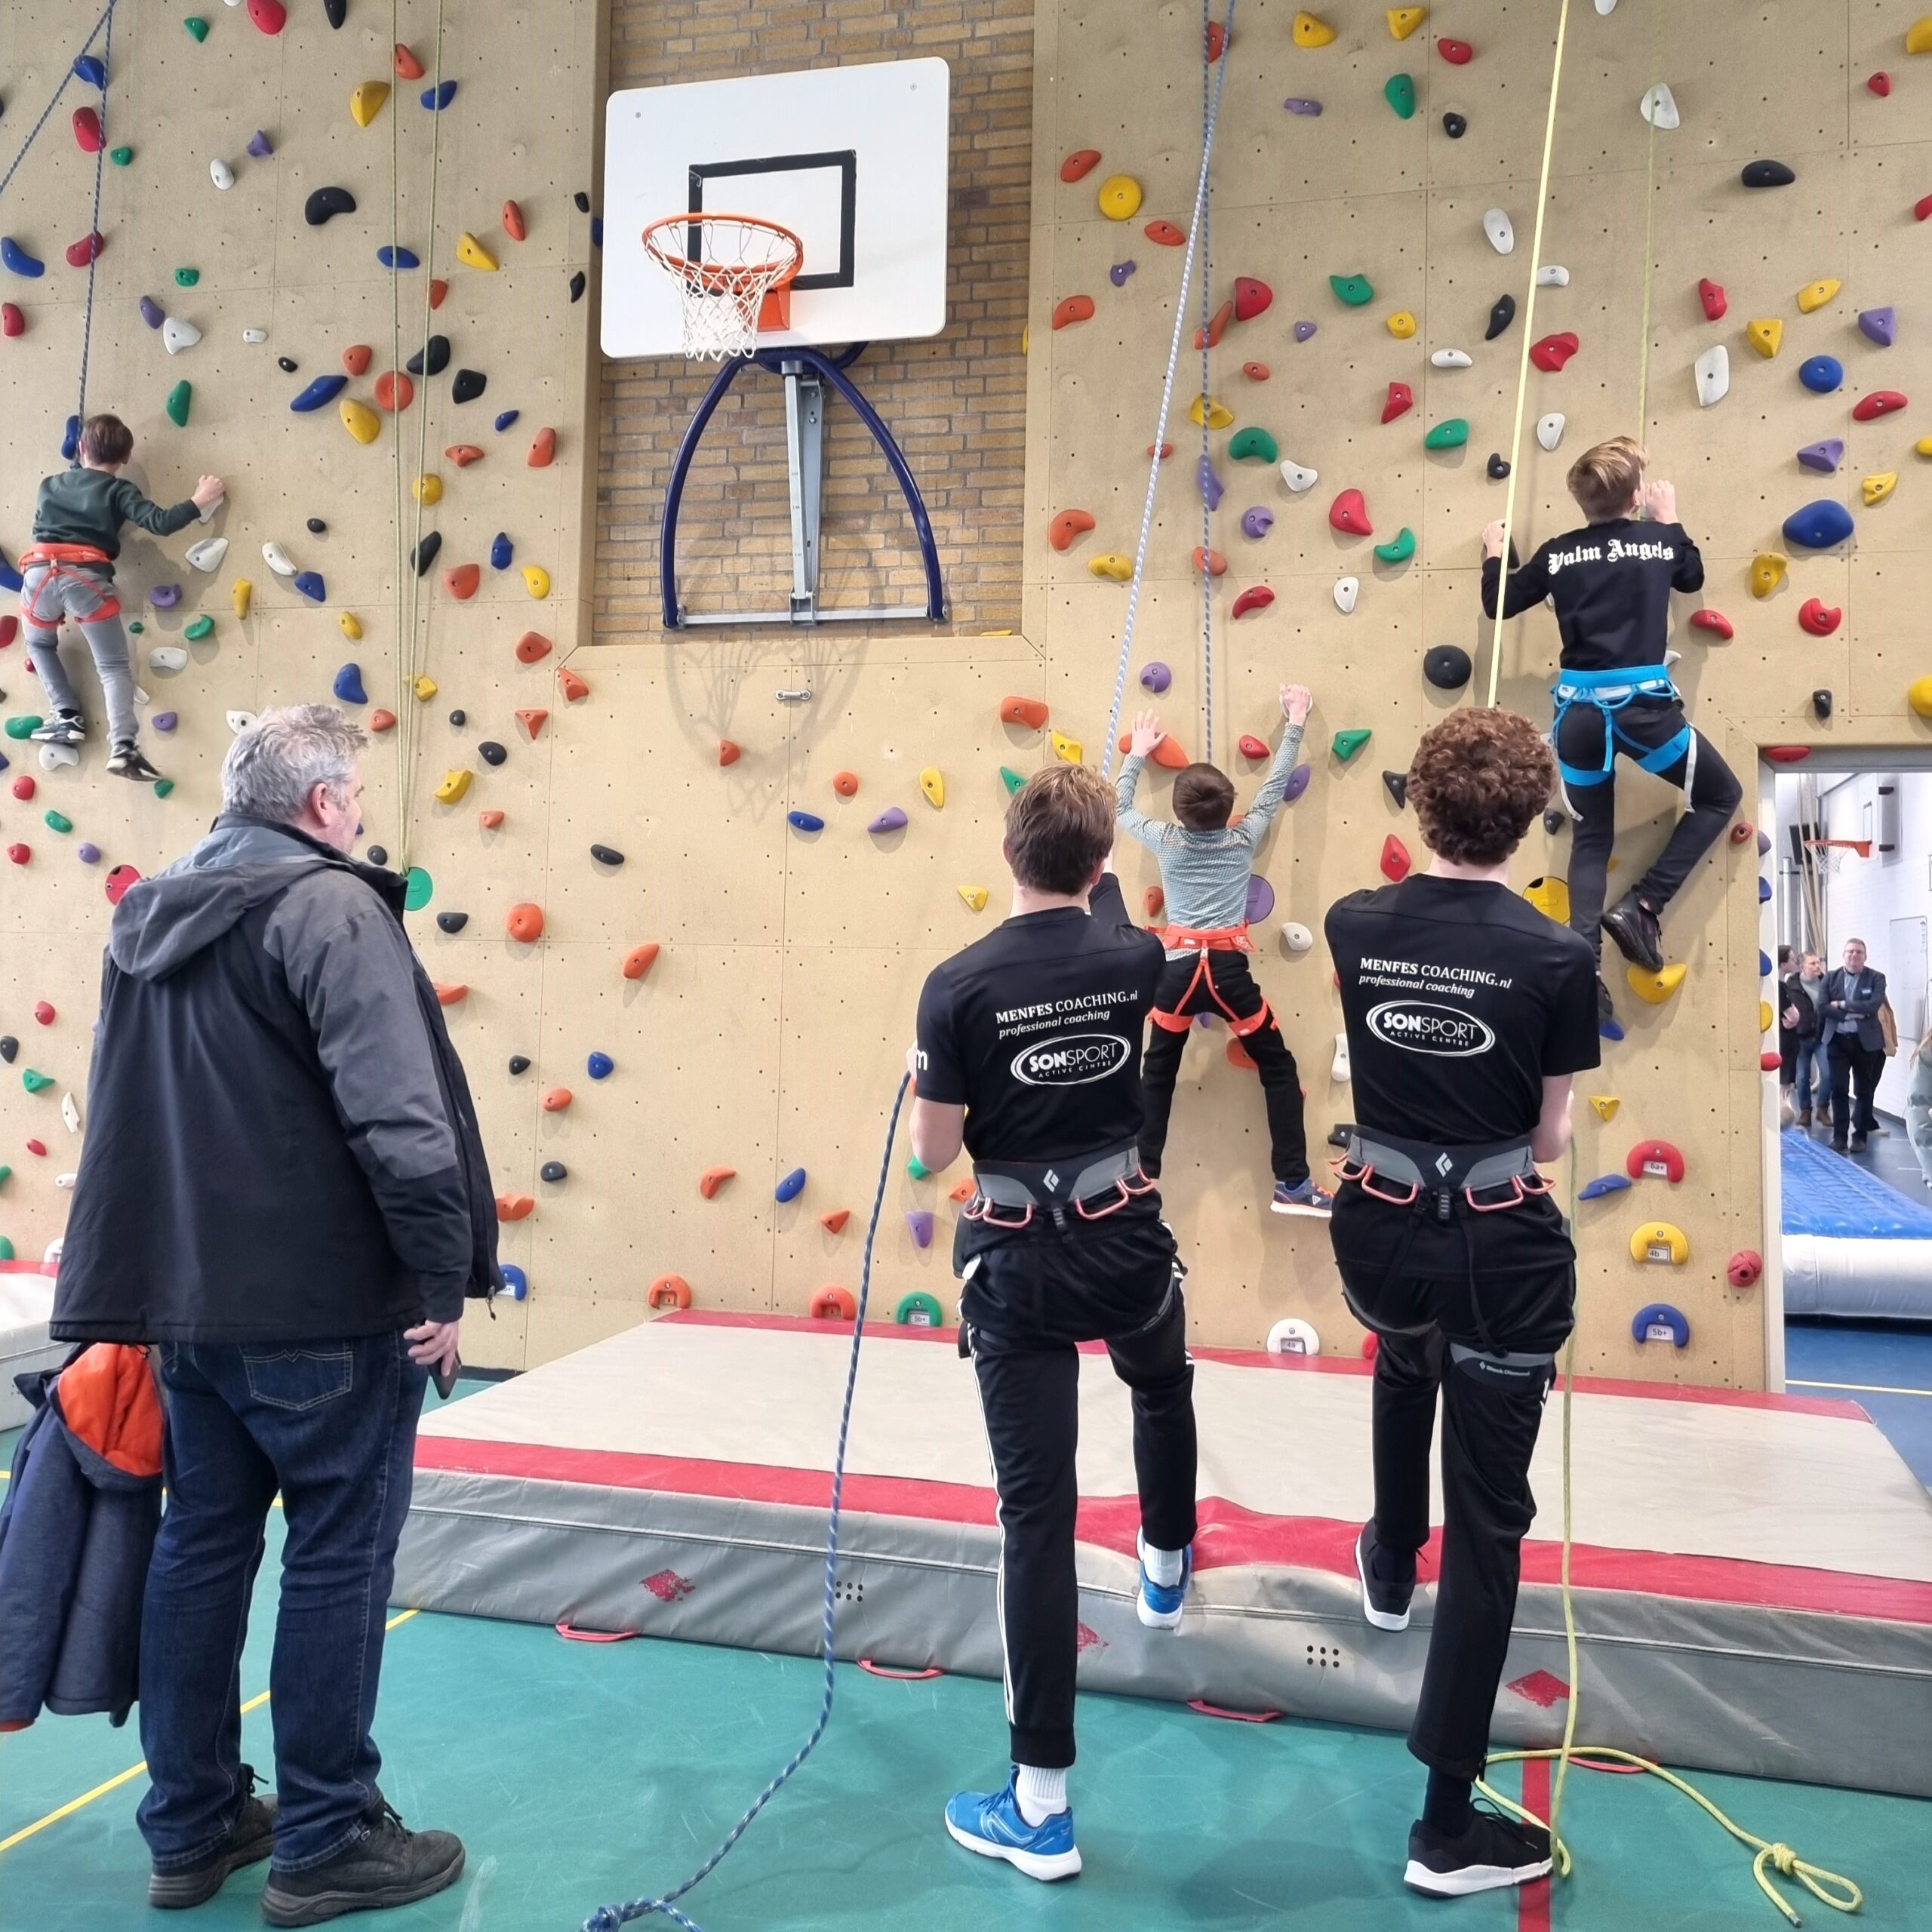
(51,592)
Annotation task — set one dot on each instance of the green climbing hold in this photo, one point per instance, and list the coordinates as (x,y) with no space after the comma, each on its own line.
(59,822)
(162,786)
(121,157)
(178,399)
(1354,290)
(6,1175)
(1450,435)
(23,727)
(418,892)
(1399,91)
(1013,781)
(6,1249)
(187,277)
(198,28)
(1256,443)
(918,1169)
(136,628)
(203,627)
(33,1082)
(1399,549)
(1347,743)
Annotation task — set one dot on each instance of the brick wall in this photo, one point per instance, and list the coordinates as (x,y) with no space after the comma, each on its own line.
(957,404)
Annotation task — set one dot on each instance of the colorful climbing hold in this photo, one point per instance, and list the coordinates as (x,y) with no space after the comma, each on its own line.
(1311,30)
(1714,621)
(358,418)
(803,821)
(792,1186)
(1450,434)
(543,450)
(1815,294)
(1210,561)
(1918,36)
(323,389)
(1257,521)
(1767,571)
(1119,197)
(536,580)
(1345,744)
(1767,174)
(1029,712)
(348,685)
(1820,619)
(1819,525)
(1355,290)
(1655,988)
(16,258)
(1399,91)
(1878,325)
(1166,234)
(178,399)
(472,255)
(1399,401)
(390,256)
(455,784)
(1401,325)
(1880,402)
(1256,597)
(1079,165)
(1399,548)
(932,783)
(1117,567)
(1066,526)
(1552,351)
(975,897)
(1876,489)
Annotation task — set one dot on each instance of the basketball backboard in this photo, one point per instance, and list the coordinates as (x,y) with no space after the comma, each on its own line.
(852,160)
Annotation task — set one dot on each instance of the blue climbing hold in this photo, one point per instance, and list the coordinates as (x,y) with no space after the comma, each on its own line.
(310,584)
(508,417)
(806,821)
(500,553)
(516,1283)
(152,313)
(1660,1322)
(91,68)
(13,256)
(10,578)
(393,257)
(1611,1030)
(1595,1190)
(70,439)
(597,231)
(1819,525)
(1763,890)
(323,389)
(1825,455)
(1821,374)
(793,1185)
(600,1066)
(436,98)
(1763,963)
(348,685)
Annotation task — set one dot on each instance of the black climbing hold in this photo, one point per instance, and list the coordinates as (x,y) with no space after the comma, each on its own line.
(606,855)
(326,203)
(432,359)
(491,752)
(378,855)
(424,554)
(1447,667)
(316,526)
(9,1047)
(452,922)
(1767,174)
(287,364)
(1821,703)
(469,384)
(335,11)
(1397,782)
(1454,126)
(519,1063)
(1499,466)
(583,201)
(1554,821)
(577,286)
(459,719)
(1501,317)
(553,1170)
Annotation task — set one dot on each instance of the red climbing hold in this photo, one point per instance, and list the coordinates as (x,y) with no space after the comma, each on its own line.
(38,1148)
(1349,512)
(118,881)
(1075,309)
(1745,1266)
(1216,565)
(1922,208)
(394,390)
(1880,402)
(1769,1062)
(1712,620)
(670,1291)
(834,1223)
(88,248)
(1166,451)
(20,854)
(355,358)
(543,450)
(1255,372)
(1742,831)
(461,583)
(23,787)
(1080,164)
(1029,711)
(727,753)
(86,130)
(1251,297)
(1553,351)
(640,959)
(525,922)
(1880,83)
(382,720)
(408,66)
(533,647)
(532,721)
(44,1012)
(1820,619)
(271,16)
(834,1304)
(1401,400)
(9,629)
(1655,1160)
(515,226)
(1457,53)
(1217,40)
(1395,859)
(1255,597)
(1065,527)
(437,290)
(1787,754)
(1154,900)
(463,454)
(515,1207)
(573,686)
(1166,234)
(490,819)
(1210,336)
(451,993)
(12,322)
(1711,294)
(712,1179)
(1251,746)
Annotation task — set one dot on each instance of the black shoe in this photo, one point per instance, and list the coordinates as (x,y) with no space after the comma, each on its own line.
(1605,1011)
(387,1865)
(1493,1852)
(127,762)
(64,727)
(1858,1143)
(1634,927)
(1837,1147)
(1387,1582)
(251,1841)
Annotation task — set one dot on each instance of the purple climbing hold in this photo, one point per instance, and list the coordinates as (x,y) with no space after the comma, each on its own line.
(508,417)
(1257,521)
(165,721)
(436,98)
(1298,104)
(87,854)
(1825,455)
(91,68)
(1260,898)
(1764,844)
(152,313)
(260,145)
(13,256)
(919,1221)
(891,819)
(310,584)
(323,389)
(1303,330)
(1880,325)
(500,553)
(1119,272)
(1298,782)
(393,257)
(1155,678)
(165,596)
(1210,484)
(348,685)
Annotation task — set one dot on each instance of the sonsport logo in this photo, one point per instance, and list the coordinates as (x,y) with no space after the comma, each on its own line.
(1074,1060)
(1421,1027)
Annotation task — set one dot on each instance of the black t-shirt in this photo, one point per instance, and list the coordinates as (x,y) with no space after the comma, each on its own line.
(1459,998)
(1036,1032)
(1610,584)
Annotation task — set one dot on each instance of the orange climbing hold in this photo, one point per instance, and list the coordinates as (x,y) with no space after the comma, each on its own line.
(355,358)
(712,1179)
(558,1100)
(533,647)
(437,290)
(834,1304)
(461,583)
(463,454)
(1080,164)
(668,1291)
(489,820)
(1210,337)
(1166,753)
(1255,372)
(1166,234)
(407,65)
(1029,711)
(532,721)
(525,922)
(382,720)
(448,992)
(640,959)
(573,686)
(1214,563)
(1154,899)
(1065,527)
(964,1192)
(515,1207)
(845,783)
(543,450)
(834,1223)
(729,753)
(394,391)
(514,225)
(1074,308)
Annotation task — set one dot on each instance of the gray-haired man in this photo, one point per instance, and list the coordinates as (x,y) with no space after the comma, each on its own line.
(283,1189)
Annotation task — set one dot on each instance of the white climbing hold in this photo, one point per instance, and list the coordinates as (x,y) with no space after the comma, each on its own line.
(1299,937)
(1340,1069)
(70,1113)
(1658,105)
(1713,375)
(206,513)
(238,721)
(141,696)
(65,1180)
(276,557)
(168,657)
(221,174)
(1293,1337)
(1296,478)
(207,553)
(1553,274)
(52,757)
(176,335)
(254,335)
(1549,430)
(1606,7)
(1451,358)
(1502,235)
(1347,590)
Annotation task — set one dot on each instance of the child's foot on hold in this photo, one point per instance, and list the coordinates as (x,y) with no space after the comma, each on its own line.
(1634,927)
(127,762)
(64,727)
(1301,1197)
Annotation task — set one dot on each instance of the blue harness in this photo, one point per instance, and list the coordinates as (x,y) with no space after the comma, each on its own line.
(1608,692)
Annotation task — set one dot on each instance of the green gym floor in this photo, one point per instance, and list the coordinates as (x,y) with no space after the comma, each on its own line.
(579,1774)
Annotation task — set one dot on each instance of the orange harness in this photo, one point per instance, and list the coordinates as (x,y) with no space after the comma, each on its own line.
(59,558)
(1219,939)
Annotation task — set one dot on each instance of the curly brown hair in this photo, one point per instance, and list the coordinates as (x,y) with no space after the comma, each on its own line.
(1478,781)
(1059,825)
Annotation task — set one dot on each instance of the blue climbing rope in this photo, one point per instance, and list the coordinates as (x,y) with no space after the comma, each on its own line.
(94,222)
(609,1918)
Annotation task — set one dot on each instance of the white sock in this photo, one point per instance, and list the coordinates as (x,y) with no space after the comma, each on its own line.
(1164,1566)
(1040,1793)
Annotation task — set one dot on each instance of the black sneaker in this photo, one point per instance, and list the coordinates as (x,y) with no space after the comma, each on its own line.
(252,1840)
(1387,1582)
(127,762)
(1634,927)
(64,727)
(1605,1011)
(1858,1143)
(388,1864)
(1493,1853)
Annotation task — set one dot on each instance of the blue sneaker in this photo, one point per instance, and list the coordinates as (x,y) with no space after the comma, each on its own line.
(1303,1198)
(1158,1605)
(990,1823)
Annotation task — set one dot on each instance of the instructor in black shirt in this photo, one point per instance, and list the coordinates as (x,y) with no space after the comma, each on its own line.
(1468,1011)
(1030,1053)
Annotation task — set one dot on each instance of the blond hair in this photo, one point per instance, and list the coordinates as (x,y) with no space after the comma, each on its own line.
(1603,480)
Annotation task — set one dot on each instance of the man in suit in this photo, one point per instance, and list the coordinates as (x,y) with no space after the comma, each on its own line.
(1852,995)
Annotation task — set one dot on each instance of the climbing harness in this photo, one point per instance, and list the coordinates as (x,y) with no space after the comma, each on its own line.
(608,1919)
(1608,692)
(1211,115)
(1205,943)
(1021,1187)
(63,560)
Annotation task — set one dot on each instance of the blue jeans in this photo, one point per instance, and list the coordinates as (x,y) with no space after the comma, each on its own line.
(1812,1069)
(332,1425)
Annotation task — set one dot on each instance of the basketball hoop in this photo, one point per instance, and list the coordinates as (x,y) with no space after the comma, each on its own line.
(734,275)
(1831,851)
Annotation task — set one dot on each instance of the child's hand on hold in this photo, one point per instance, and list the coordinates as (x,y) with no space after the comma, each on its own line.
(209,489)
(1660,502)
(1297,700)
(1492,539)
(1146,735)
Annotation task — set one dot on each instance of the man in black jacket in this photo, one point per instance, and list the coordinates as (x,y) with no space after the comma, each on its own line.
(1797,1022)
(284,1190)
(1852,995)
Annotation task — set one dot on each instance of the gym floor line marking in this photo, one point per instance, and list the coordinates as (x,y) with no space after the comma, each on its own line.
(86,1798)
(1859,1388)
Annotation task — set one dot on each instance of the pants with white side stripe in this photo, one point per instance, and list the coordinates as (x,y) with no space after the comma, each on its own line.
(1030,1300)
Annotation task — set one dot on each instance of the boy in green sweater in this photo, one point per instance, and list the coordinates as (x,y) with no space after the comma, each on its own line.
(68,572)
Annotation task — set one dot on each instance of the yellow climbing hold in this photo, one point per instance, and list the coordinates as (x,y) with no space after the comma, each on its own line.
(1119,568)
(472,255)
(244,591)
(1768,569)
(1765,335)
(1816,294)
(1068,751)
(933,783)
(975,896)
(536,580)
(1606,1105)
(1551,898)
(1120,197)
(1918,695)
(360,420)
(1025,338)
(1655,987)
(1918,36)
(1923,446)
(366,102)
(455,784)
(1876,489)
(1218,414)
(426,689)
(1403,21)
(429,489)
(1764,1016)
(1310,32)
(1402,325)
(352,625)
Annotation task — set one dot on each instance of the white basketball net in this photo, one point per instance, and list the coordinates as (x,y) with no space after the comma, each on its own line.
(724,266)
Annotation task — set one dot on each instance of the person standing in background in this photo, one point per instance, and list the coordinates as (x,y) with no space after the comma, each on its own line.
(1814,1078)
(1850,1026)
(1918,1105)
(1797,1022)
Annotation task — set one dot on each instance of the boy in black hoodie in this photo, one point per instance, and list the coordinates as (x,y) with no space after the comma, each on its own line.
(1610,585)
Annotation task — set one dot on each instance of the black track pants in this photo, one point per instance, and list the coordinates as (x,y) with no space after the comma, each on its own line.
(1856,1072)
(1028,1300)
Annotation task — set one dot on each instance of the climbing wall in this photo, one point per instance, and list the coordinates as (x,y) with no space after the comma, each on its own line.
(1359,152)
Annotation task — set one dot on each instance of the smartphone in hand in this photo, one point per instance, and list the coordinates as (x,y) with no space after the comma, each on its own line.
(445,1377)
